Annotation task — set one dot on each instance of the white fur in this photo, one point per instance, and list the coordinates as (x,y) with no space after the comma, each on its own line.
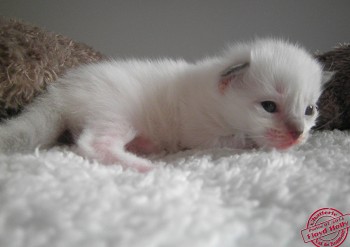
(173,104)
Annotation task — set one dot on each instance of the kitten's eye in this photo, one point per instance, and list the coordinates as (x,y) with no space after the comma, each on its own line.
(269,106)
(310,110)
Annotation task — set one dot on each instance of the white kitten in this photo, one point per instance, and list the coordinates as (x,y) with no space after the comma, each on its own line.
(258,94)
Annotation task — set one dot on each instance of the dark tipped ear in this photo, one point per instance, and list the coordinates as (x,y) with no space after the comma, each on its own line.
(230,73)
(327,76)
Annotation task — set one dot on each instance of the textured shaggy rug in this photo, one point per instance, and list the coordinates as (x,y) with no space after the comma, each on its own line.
(194,198)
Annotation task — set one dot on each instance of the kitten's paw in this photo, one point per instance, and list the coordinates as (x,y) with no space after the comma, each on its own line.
(109,148)
(142,167)
(141,146)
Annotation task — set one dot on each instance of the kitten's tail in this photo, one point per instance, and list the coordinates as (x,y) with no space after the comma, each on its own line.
(39,125)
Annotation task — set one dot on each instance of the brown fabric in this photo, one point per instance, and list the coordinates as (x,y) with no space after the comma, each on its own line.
(334,103)
(30,58)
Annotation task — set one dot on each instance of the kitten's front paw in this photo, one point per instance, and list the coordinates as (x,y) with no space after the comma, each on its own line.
(237,142)
(142,146)
(142,166)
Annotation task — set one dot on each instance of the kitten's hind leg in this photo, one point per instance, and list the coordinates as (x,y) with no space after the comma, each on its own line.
(108,146)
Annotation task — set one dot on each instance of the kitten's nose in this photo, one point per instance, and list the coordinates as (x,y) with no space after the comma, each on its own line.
(296,133)
(295,129)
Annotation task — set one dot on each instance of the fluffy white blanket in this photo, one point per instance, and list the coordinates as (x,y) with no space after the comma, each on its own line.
(194,198)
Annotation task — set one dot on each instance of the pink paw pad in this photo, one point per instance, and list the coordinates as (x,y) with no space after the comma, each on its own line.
(142,146)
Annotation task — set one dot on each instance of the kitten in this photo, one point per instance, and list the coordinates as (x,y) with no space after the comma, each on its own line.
(257,94)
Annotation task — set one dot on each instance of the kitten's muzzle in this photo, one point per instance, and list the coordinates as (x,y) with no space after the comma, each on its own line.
(295,134)
(284,138)
(294,130)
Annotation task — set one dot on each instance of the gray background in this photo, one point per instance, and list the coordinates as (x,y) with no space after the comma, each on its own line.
(189,29)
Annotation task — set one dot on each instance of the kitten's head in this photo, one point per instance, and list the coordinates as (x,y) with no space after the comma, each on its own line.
(270,88)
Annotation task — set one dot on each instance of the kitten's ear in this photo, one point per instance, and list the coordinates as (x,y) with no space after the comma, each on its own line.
(234,70)
(327,76)
(230,74)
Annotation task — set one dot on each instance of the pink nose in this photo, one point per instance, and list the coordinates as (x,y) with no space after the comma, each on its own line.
(295,134)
